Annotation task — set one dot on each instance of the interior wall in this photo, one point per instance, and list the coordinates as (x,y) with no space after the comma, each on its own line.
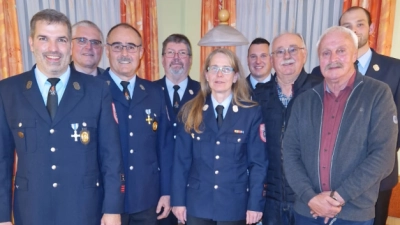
(180,16)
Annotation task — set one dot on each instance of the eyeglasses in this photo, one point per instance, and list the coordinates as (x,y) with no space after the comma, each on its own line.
(82,41)
(118,47)
(224,70)
(171,54)
(282,51)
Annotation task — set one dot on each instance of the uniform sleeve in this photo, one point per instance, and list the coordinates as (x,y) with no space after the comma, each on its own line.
(181,166)
(110,156)
(165,147)
(382,137)
(258,163)
(6,165)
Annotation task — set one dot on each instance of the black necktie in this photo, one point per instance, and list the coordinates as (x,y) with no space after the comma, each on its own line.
(52,97)
(220,115)
(258,85)
(176,99)
(125,90)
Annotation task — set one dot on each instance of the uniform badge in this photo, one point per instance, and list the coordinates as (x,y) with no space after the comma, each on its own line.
(376,67)
(395,119)
(108,82)
(142,87)
(191,92)
(75,127)
(235,108)
(21,134)
(122,188)
(122,177)
(262,133)
(85,134)
(114,112)
(29,85)
(76,86)
(205,107)
(154,126)
(238,131)
(192,135)
(148,119)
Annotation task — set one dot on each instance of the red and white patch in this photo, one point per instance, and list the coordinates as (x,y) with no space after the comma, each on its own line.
(262,133)
(114,112)
(123,188)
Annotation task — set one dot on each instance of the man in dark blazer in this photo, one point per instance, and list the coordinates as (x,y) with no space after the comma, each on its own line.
(259,62)
(385,69)
(60,122)
(177,60)
(146,134)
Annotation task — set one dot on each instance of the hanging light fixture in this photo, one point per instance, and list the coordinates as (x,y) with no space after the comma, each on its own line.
(223,34)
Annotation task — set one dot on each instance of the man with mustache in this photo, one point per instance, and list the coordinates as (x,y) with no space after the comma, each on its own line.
(87,47)
(276,98)
(60,123)
(146,134)
(259,62)
(178,87)
(339,142)
(385,69)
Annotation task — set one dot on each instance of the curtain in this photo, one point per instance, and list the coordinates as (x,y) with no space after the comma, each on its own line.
(104,13)
(209,19)
(269,18)
(143,16)
(10,51)
(382,16)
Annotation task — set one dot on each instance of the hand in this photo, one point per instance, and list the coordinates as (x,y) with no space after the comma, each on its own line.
(180,213)
(324,206)
(110,219)
(6,223)
(164,202)
(253,217)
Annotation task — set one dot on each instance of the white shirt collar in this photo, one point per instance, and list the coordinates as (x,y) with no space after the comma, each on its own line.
(254,82)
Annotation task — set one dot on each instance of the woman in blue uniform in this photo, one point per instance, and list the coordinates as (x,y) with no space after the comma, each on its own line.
(220,161)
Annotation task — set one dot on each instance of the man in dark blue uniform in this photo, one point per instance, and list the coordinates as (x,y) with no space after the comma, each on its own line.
(259,62)
(385,69)
(178,87)
(146,134)
(60,122)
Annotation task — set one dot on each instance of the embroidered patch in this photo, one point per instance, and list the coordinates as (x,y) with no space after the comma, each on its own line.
(114,112)
(262,133)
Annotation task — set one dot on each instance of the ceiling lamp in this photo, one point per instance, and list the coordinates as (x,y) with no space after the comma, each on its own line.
(223,34)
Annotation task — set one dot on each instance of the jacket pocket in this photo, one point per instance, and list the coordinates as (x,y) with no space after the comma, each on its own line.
(193,183)
(91,181)
(25,134)
(21,183)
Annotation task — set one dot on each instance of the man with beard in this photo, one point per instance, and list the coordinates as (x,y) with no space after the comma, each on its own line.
(87,47)
(276,99)
(178,87)
(258,60)
(60,123)
(146,134)
(385,69)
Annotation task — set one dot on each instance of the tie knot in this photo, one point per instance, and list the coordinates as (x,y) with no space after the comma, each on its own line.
(219,109)
(176,87)
(124,84)
(53,81)
(258,84)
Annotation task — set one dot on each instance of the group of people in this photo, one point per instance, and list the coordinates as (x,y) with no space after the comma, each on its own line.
(107,147)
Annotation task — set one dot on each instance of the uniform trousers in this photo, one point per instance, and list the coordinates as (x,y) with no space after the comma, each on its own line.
(146,217)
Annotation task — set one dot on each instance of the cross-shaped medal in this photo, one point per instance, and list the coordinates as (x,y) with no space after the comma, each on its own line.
(149,119)
(75,135)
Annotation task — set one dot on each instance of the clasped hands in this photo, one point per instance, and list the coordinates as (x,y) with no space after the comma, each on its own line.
(326,205)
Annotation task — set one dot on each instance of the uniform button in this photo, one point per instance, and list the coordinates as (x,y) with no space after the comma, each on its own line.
(216,172)
(174,124)
(215,186)
(20,125)
(218,142)
(131,151)
(84,124)
(217,156)
(174,136)
(130,116)
(198,138)
(53,167)
(131,134)
(97,184)
(131,167)
(247,190)
(52,149)
(239,139)
(55,185)
(51,131)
